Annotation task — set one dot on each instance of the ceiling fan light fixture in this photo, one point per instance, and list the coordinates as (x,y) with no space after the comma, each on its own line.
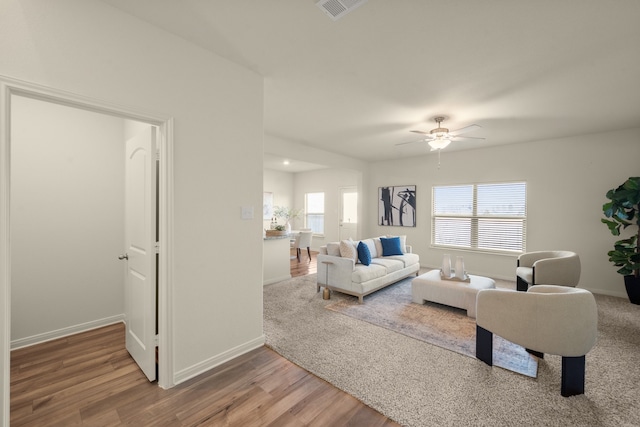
(439,143)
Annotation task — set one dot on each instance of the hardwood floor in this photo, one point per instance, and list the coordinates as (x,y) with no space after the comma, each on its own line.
(90,379)
(305,265)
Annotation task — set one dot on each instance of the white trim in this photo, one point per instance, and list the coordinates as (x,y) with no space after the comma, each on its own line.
(212,362)
(65,332)
(9,86)
(5,256)
(276,279)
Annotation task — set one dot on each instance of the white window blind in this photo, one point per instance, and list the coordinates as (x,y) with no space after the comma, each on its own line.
(314,212)
(483,217)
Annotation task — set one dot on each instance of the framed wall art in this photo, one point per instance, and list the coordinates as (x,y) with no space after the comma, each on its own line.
(397,205)
(267,205)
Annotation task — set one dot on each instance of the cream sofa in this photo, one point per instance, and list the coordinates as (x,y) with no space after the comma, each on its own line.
(339,270)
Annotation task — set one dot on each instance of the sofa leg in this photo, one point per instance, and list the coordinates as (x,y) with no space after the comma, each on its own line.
(572,376)
(521,285)
(484,345)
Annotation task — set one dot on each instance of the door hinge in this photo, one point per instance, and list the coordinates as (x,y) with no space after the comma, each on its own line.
(156,340)
(157,246)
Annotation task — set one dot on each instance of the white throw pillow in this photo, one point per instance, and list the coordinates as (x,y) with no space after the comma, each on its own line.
(333,248)
(376,241)
(373,250)
(348,249)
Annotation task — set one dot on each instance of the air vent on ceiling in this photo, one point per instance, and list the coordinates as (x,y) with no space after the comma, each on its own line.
(336,9)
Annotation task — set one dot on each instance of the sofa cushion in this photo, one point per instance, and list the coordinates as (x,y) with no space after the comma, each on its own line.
(363,273)
(389,264)
(406,259)
(372,248)
(333,248)
(348,249)
(376,242)
(363,253)
(391,246)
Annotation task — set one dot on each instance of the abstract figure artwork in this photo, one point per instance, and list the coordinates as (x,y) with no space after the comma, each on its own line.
(397,206)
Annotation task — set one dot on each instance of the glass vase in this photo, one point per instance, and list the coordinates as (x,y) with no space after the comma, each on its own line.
(446,265)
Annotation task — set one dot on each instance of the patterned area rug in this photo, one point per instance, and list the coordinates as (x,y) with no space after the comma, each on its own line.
(437,324)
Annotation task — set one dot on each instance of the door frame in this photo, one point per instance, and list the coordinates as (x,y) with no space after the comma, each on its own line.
(9,87)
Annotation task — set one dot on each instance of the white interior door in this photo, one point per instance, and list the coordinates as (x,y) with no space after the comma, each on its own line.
(348,213)
(140,256)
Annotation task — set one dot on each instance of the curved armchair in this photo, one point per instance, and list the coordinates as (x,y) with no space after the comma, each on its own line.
(547,268)
(545,319)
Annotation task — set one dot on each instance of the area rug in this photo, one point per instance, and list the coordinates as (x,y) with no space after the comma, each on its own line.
(436,324)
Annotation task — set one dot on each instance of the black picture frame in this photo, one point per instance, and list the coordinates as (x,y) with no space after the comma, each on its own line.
(397,206)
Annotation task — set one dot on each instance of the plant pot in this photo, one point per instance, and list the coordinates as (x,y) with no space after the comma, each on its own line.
(632,283)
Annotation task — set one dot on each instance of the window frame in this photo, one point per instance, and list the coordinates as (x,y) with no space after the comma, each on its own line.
(476,219)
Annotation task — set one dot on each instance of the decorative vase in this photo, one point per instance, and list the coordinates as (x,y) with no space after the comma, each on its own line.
(287,227)
(460,268)
(446,265)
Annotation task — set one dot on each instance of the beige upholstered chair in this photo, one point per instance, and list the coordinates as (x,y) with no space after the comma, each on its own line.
(303,240)
(547,268)
(546,319)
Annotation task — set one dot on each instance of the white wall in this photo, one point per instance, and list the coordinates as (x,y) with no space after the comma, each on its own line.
(89,48)
(67,205)
(329,181)
(281,185)
(567,180)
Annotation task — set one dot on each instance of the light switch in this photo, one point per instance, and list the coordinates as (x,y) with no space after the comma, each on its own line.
(247,212)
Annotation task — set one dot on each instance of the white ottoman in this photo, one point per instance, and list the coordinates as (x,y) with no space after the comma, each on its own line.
(431,287)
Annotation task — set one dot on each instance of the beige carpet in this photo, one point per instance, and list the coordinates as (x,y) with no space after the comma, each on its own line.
(418,384)
(437,324)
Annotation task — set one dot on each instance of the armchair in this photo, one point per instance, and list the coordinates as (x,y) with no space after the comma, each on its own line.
(546,319)
(547,268)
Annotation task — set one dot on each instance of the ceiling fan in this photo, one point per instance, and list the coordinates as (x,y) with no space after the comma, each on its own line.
(440,137)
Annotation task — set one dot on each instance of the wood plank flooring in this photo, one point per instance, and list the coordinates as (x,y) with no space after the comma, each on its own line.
(305,265)
(90,379)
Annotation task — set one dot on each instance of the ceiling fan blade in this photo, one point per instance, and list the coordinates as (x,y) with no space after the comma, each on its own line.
(410,142)
(420,132)
(465,130)
(462,138)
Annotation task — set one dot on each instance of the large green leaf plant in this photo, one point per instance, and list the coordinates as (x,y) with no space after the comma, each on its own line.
(623,211)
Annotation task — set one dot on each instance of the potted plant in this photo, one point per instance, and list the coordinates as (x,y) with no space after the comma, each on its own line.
(622,211)
(287,214)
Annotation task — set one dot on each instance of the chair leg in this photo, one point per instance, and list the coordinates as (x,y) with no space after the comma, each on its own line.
(298,253)
(521,285)
(535,353)
(309,252)
(484,345)
(572,376)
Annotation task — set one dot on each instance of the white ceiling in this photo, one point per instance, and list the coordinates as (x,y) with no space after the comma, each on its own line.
(523,70)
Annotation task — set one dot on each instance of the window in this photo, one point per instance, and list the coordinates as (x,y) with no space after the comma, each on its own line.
(314,212)
(483,217)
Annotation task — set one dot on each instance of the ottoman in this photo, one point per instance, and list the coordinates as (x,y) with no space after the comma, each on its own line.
(431,287)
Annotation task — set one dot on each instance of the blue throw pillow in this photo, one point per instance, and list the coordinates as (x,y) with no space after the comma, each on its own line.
(391,246)
(364,255)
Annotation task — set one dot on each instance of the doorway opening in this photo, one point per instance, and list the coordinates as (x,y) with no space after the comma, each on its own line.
(13,93)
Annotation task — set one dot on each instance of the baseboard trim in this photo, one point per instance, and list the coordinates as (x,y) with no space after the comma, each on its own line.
(65,332)
(206,365)
(276,280)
